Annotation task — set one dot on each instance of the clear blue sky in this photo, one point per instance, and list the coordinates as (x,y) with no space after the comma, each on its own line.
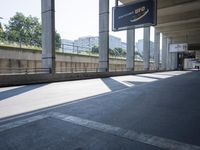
(74,18)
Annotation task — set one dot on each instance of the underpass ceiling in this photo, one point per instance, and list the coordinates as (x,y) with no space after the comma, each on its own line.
(178,20)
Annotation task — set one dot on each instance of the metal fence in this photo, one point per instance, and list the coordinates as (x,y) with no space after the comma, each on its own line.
(75,49)
(8,71)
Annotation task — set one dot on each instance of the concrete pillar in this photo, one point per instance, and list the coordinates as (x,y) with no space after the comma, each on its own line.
(174,61)
(146,48)
(103,35)
(164,52)
(48,35)
(169,56)
(157,49)
(130,55)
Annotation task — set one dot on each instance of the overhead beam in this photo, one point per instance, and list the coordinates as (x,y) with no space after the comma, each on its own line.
(184,27)
(180,18)
(180,31)
(193,20)
(178,8)
(182,34)
(170,3)
(163,3)
(189,40)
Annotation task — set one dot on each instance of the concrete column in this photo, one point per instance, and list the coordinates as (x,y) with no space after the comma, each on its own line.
(103,35)
(146,48)
(174,61)
(164,52)
(157,49)
(169,56)
(48,35)
(130,55)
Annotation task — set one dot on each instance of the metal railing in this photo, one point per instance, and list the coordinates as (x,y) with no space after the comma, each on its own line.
(8,71)
(75,49)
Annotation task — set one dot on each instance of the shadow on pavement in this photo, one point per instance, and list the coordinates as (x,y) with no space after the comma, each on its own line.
(146,76)
(18,91)
(112,84)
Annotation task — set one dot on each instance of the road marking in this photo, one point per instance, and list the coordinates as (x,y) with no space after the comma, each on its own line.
(22,122)
(128,134)
(132,135)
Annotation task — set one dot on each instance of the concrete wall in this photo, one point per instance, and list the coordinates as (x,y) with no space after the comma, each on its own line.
(13,59)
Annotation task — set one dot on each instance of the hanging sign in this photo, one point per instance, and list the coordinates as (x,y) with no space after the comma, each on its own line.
(135,15)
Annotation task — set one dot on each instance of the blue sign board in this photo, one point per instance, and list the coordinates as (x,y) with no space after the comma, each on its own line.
(135,15)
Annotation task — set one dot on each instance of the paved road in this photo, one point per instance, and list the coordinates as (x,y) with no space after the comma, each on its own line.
(141,112)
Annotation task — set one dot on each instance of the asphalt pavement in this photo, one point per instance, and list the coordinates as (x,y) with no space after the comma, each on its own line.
(136,112)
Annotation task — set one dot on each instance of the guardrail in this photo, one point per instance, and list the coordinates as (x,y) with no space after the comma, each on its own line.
(15,71)
(8,71)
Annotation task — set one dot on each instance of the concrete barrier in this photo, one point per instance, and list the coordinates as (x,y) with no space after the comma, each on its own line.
(13,58)
(13,80)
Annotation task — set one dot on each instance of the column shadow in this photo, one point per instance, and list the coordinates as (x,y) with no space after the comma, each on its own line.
(18,91)
(150,77)
(112,84)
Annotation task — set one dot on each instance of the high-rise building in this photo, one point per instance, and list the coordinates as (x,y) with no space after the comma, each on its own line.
(114,42)
(86,43)
(67,45)
(123,45)
(139,47)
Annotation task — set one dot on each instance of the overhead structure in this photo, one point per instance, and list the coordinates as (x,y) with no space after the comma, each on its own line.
(135,15)
(178,20)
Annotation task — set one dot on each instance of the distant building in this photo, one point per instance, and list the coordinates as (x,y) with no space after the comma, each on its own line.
(123,45)
(114,42)
(90,41)
(67,45)
(139,47)
(86,43)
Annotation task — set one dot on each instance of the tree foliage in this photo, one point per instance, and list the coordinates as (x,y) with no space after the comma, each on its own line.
(1,33)
(113,52)
(26,30)
(95,49)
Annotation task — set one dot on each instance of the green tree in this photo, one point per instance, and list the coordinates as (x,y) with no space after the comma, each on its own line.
(58,40)
(120,51)
(27,30)
(95,49)
(1,33)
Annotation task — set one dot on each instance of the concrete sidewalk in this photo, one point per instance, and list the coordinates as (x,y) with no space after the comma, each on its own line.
(140,112)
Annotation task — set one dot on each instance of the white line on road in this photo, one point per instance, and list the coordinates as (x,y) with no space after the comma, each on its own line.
(128,134)
(21,122)
(132,135)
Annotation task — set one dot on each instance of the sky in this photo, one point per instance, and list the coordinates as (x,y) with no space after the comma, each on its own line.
(74,18)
